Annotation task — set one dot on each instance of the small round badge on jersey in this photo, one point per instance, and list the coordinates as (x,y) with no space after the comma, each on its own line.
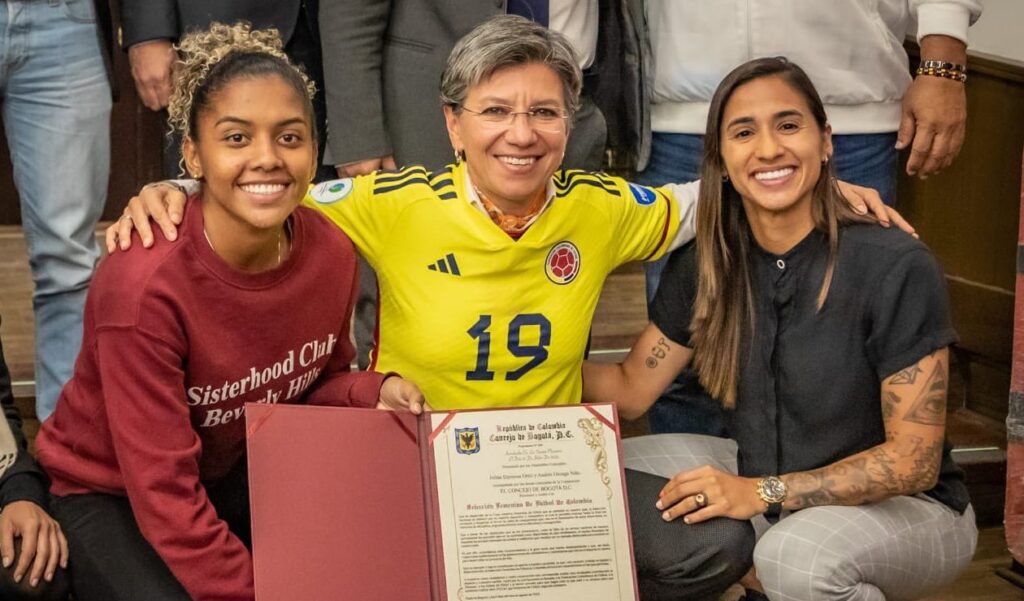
(643,195)
(326,193)
(563,263)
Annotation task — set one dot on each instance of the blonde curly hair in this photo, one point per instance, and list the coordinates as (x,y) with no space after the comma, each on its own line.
(211,58)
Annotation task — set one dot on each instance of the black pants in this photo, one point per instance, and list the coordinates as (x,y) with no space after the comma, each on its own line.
(110,559)
(21,591)
(675,560)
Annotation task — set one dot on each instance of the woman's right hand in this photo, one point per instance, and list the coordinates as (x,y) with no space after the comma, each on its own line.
(162,202)
(399,394)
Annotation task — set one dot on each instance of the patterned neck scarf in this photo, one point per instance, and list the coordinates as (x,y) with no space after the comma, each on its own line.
(513,225)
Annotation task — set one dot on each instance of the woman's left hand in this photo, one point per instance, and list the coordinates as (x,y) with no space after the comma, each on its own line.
(399,394)
(724,494)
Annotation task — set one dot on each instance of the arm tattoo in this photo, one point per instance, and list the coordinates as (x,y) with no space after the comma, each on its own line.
(904,464)
(926,467)
(907,446)
(876,474)
(810,489)
(906,376)
(929,407)
(856,480)
(658,351)
(889,402)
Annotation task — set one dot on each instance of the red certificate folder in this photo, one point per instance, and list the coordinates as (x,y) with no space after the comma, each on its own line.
(344,504)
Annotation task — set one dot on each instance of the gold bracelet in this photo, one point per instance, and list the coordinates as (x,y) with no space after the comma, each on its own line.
(944,73)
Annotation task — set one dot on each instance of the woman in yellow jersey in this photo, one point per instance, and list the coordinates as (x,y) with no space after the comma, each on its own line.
(490,269)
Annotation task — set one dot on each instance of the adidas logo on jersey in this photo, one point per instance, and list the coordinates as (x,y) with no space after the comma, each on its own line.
(446,265)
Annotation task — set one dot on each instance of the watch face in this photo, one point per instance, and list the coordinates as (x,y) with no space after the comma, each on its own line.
(774,490)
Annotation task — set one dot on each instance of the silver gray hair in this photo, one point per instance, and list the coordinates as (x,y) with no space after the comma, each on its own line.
(504,41)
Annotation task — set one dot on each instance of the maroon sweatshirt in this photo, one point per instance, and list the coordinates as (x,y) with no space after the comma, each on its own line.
(175,342)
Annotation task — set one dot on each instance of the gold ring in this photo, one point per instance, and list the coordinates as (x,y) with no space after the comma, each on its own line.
(128,217)
(701,499)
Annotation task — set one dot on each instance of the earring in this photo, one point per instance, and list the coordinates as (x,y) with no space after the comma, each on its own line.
(460,155)
(824,161)
(725,178)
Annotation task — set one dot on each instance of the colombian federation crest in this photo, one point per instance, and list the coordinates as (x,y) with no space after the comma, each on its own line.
(467,440)
(331,192)
(563,263)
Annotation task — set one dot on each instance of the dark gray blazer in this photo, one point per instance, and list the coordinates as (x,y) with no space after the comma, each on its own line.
(169,19)
(382,73)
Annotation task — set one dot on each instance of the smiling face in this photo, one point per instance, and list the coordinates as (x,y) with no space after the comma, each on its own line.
(772,147)
(255,152)
(511,164)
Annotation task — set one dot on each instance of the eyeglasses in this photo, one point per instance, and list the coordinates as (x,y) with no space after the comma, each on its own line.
(540,118)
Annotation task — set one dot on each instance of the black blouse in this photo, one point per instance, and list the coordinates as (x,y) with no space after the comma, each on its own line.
(809,391)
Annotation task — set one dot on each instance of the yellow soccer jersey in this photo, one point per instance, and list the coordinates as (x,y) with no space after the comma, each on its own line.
(473,317)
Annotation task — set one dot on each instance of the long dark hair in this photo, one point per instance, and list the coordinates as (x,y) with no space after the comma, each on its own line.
(724,304)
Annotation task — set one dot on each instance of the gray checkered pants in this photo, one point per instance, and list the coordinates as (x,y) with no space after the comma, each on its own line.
(900,548)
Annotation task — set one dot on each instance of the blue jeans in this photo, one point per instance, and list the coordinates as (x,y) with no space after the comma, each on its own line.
(868,160)
(863,159)
(56,113)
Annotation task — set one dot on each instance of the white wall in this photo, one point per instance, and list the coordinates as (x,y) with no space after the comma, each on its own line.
(1000,30)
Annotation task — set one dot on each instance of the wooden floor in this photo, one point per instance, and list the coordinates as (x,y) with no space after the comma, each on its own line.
(620,317)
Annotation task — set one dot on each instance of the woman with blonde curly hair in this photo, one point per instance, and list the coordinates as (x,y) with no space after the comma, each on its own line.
(146,447)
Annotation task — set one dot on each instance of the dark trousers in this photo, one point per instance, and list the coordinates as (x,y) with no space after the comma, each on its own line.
(21,591)
(675,560)
(112,561)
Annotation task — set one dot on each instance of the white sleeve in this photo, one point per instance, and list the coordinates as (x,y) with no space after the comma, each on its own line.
(945,17)
(685,196)
(190,187)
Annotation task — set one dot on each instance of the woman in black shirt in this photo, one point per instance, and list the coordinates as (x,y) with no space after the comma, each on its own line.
(826,338)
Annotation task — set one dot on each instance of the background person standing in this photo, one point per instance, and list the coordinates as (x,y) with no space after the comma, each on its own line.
(151,27)
(56,96)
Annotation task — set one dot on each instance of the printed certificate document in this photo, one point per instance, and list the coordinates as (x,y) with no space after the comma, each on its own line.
(530,504)
(503,504)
